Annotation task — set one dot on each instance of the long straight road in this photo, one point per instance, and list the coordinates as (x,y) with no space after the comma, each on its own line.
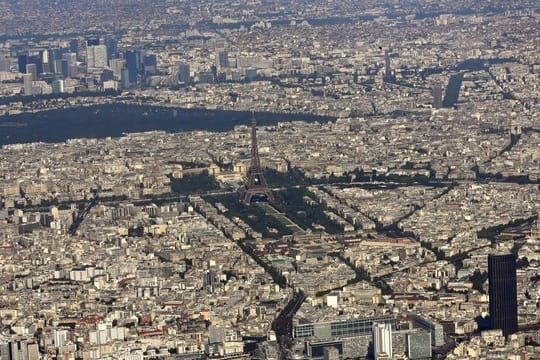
(80,217)
(283,324)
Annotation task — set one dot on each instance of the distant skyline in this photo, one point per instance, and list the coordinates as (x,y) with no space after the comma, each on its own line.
(393,152)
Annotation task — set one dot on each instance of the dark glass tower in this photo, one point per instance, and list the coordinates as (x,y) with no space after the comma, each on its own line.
(437,97)
(503,293)
(184,75)
(22,60)
(387,67)
(132,64)
(92,41)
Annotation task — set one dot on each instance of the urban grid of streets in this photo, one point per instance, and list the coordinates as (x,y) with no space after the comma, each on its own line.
(417,158)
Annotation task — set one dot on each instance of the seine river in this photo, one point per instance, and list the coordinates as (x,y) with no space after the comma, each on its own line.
(116,119)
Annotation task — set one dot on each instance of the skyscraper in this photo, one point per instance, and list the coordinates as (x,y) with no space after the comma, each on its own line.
(503,293)
(22,60)
(60,337)
(116,66)
(32,70)
(222,59)
(150,64)
(92,41)
(387,67)
(33,351)
(132,64)
(19,349)
(4,64)
(125,78)
(184,75)
(69,68)
(57,86)
(45,60)
(112,47)
(74,45)
(55,60)
(382,340)
(437,96)
(36,59)
(96,57)
(28,83)
(65,68)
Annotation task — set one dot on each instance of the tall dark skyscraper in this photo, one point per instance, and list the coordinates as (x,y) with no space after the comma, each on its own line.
(22,60)
(74,45)
(55,60)
(65,68)
(132,64)
(387,67)
(184,75)
(222,59)
(150,64)
(112,47)
(92,41)
(36,59)
(503,293)
(437,96)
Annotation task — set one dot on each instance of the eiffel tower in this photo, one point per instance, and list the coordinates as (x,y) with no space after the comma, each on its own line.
(256,188)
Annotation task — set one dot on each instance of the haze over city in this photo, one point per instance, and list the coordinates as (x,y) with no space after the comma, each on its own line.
(269,179)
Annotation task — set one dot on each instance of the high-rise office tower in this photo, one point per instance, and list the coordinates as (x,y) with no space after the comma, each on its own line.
(96,57)
(45,60)
(64,68)
(184,75)
(74,45)
(150,64)
(57,86)
(437,96)
(355,77)
(22,60)
(141,53)
(222,59)
(132,64)
(92,41)
(387,67)
(32,70)
(69,68)
(55,57)
(36,59)
(33,351)
(205,77)
(106,75)
(112,47)
(4,350)
(216,334)
(125,77)
(503,293)
(4,64)
(57,66)
(116,66)
(60,337)
(382,340)
(18,350)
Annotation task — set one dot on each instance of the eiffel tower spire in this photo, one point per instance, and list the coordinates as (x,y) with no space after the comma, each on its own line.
(256,185)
